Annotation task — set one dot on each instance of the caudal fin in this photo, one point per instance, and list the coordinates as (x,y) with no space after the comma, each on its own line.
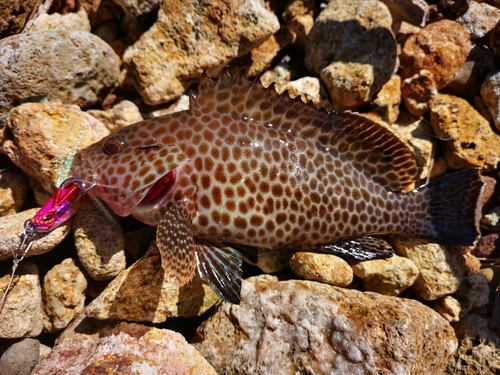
(453,208)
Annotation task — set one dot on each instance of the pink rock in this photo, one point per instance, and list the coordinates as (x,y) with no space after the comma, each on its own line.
(488,246)
(90,346)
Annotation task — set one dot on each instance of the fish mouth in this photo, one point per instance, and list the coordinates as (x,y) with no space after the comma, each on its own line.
(160,188)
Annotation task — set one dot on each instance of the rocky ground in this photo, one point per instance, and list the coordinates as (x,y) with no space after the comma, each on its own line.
(90,297)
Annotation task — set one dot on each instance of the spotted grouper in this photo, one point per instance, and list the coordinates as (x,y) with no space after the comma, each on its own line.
(248,168)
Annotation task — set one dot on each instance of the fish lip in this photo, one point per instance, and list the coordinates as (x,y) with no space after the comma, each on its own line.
(162,189)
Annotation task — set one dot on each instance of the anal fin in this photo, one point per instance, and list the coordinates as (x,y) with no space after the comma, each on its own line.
(175,241)
(221,268)
(363,248)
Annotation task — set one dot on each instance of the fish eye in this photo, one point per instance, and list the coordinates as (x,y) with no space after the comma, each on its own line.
(112,146)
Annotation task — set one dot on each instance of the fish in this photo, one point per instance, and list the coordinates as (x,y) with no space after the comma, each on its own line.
(245,167)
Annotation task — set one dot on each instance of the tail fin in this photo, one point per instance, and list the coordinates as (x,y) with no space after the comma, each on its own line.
(453,208)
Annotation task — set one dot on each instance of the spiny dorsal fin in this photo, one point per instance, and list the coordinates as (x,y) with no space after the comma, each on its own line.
(372,148)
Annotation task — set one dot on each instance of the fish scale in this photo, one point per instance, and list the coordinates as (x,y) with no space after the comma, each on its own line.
(247,166)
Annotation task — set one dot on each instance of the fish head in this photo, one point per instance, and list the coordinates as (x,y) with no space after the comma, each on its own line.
(129,167)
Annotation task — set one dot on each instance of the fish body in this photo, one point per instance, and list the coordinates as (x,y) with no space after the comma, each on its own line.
(246,166)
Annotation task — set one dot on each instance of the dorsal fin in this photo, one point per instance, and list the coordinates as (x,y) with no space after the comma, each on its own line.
(373,149)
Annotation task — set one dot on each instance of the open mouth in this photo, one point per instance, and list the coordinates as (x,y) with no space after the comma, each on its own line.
(160,187)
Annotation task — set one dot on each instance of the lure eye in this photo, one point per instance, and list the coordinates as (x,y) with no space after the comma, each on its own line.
(112,146)
(48,220)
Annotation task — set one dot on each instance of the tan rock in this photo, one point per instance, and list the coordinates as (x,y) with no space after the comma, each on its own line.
(479,19)
(140,294)
(13,190)
(418,92)
(440,47)
(20,357)
(473,293)
(441,266)
(56,21)
(274,260)
(472,264)
(387,276)
(339,48)
(90,346)
(122,114)
(63,293)
(449,308)
(99,242)
(309,89)
(22,312)
(41,138)
(490,93)
(386,104)
(472,142)
(325,268)
(299,18)
(12,226)
(280,75)
(166,59)
(297,326)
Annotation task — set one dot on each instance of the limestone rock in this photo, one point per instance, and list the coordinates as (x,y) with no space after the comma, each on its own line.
(22,312)
(12,226)
(99,242)
(473,293)
(325,268)
(440,47)
(299,18)
(20,358)
(309,89)
(441,266)
(63,293)
(387,276)
(339,48)
(488,246)
(292,327)
(280,75)
(74,67)
(274,260)
(140,294)
(449,308)
(166,59)
(121,115)
(386,104)
(492,218)
(93,347)
(14,14)
(13,190)
(55,21)
(412,11)
(478,348)
(472,142)
(490,93)
(41,138)
(479,19)
(138,7)
(418,92)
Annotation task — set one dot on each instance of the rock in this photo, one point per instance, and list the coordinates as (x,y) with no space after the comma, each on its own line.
(309,89)
(93,347)
(419,133)
(181,104)
(274,260)
(439,168)
(44,351)
(441,266)
(412,11)
(210,36)
(14,14)
(280,75)
(449,308)
(470,140)
(490,93)
(325,268)
(492,218)
(22,313)
(121,115)
(63,293)
(418,92)
(479,19)
(99,242)
(140,294)
(42,138)
(74,67)
(137,242)
(387,276)
(440,47)
(20,358)
(472,264)
(138,7)
(473,293)
(339,48)
(12,226)
(488,246)
(386,104)
(55,21)
(13,190)
(299,18)
(292,327)
(478,348)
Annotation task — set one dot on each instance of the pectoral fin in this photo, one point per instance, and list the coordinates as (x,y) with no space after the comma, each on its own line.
(175,241)
(363,248)
(220,267)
